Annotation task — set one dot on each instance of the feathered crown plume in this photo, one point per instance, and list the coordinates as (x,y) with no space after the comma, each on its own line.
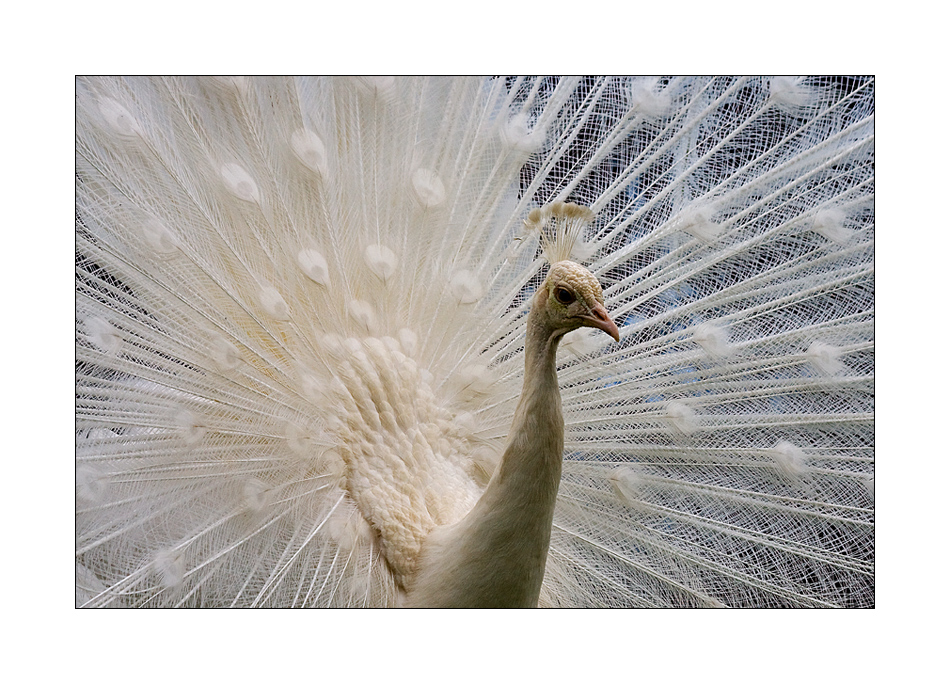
(562,227)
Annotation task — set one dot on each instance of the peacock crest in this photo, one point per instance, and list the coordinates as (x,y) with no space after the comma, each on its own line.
(561,227)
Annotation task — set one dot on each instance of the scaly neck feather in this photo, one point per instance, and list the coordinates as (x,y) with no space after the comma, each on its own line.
(495,556)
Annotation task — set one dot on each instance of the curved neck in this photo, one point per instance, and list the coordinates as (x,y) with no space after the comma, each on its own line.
(530,468)
(495,556)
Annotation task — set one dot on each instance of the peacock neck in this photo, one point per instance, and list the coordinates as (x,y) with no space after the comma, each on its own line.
(495,556)
(531,464)
(520,498)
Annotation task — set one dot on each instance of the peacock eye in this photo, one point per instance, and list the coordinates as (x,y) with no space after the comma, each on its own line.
(564,296)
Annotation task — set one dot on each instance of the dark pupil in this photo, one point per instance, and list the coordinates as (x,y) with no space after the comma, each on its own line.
(564,296)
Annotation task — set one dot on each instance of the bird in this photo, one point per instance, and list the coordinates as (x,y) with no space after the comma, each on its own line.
(462,342)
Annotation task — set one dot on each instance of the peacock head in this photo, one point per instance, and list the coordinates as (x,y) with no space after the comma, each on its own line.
(571,298)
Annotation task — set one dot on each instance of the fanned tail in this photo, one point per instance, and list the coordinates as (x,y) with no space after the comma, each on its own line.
(300,331)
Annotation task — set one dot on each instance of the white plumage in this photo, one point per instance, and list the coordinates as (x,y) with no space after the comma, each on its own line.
(301,314)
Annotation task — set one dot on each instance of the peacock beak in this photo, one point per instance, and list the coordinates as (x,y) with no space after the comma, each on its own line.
(598,318)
